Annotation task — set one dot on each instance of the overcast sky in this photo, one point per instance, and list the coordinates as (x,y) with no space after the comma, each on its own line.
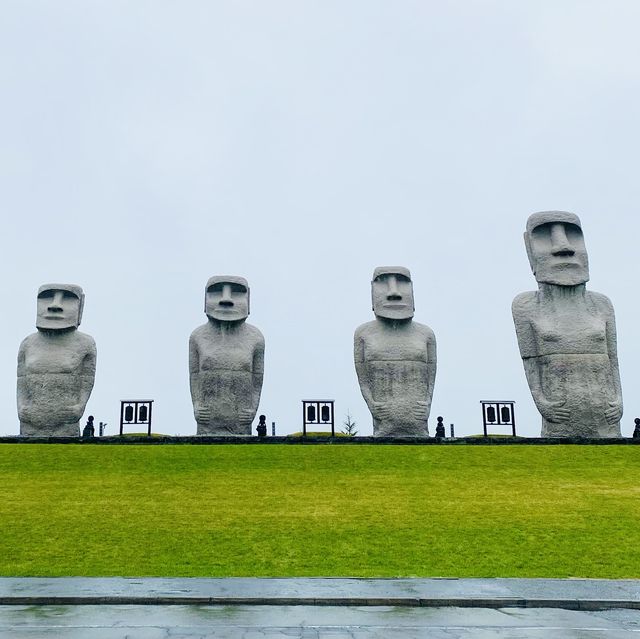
(147,145)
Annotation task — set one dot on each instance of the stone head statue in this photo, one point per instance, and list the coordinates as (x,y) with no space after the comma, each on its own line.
(556,249)
(59,307)
(392,293)
(395,358)
(226,361)
(56,365)
(567,334)
(226,298)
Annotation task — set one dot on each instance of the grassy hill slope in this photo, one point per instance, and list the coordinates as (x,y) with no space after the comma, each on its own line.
(278,510)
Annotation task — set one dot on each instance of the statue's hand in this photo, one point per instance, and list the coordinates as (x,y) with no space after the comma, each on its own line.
(420,411)
(202,415)
(383,410)
(245,416)
(613,413)
(68,414)
(24,414)
(554,411)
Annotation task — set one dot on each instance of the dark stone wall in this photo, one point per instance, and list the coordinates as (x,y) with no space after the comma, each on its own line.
(325,441)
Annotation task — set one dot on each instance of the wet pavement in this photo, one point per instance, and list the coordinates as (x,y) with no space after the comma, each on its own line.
(317,622)
(488,593)
(158,608)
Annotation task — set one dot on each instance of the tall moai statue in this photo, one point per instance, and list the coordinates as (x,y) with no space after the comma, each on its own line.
(226,361)
(395,358)
(567,335)
(56,366)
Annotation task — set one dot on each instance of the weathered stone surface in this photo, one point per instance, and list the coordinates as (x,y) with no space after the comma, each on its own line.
(226,361)
(395,358)
(56,366)
(567,335)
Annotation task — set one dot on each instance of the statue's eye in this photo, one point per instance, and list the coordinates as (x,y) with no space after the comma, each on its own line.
(238,288)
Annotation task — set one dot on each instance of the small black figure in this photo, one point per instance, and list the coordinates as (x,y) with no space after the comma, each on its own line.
(636,432)
(440,434)
(262,426)
(89,430)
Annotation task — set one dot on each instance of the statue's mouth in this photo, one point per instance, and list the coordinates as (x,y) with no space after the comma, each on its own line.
(564,262)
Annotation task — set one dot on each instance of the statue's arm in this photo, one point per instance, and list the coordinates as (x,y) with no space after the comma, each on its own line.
(194,369)
(614,412)
(88,376)
(532,373)
(527,346)
(21,391)
(194,356)
(432,363)
(358,358)
(257,374)
(551,411)
(422,407)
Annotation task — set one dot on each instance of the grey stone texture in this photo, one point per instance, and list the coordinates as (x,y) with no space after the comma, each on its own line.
(395,358)
(56,366)
(226,361)
(567,335)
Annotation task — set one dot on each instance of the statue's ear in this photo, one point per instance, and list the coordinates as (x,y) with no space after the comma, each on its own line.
(527,244)
(80,308)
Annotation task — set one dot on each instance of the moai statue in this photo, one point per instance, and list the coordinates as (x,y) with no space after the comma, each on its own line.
(226,361)
(567,335)
(395,358)
(56,366)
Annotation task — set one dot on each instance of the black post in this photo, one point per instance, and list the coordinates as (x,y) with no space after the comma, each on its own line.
(121,416)
(513,420)
(304,420)
(149,416)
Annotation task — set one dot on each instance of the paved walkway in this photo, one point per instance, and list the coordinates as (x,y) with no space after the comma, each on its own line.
(116,608)
(312,622)
(572,594)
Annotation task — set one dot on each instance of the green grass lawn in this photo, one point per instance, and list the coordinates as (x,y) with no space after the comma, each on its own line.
(285,510)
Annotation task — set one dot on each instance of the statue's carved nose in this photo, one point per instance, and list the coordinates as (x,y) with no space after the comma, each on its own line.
(560,244)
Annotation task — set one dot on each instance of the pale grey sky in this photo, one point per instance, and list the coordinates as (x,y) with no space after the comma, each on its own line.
(147,145)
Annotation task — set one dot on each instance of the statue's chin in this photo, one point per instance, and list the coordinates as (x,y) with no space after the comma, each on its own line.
(565,280)
(52,325)
(394,315)
(227,317)
(566,276)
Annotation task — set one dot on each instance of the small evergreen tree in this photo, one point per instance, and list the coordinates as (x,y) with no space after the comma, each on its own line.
(349,427)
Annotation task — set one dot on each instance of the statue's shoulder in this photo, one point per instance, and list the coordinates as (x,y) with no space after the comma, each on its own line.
(85,340)
(28,341)
(367,328)
(600,301)
(424,330)
(524,303)
(200,331)
(253,333)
